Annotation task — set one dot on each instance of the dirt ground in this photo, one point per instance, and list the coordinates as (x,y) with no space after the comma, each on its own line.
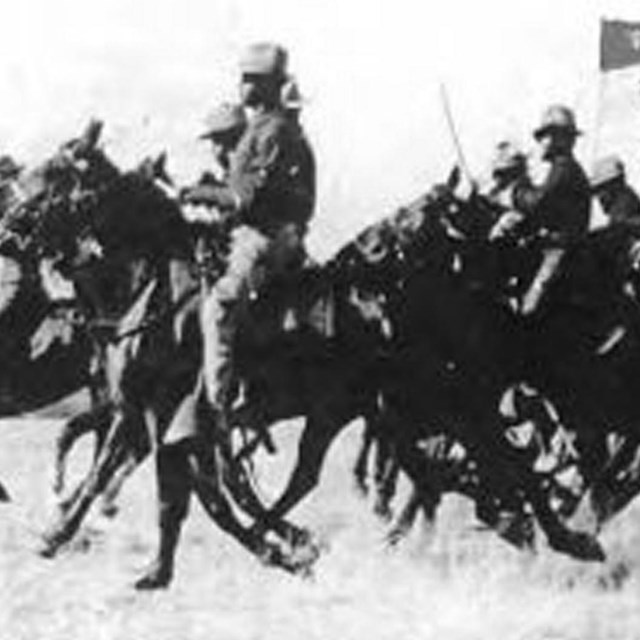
(454,583)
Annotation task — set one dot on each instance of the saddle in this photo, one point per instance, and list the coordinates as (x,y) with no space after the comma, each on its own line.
(300,302)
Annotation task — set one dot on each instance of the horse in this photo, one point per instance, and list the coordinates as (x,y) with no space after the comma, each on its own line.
(582,345)
(106,289)
(153,358)
(278,374)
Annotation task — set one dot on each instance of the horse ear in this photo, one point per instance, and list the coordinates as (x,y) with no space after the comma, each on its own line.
(160,164)
(91,135)
(454,178)
(159,167)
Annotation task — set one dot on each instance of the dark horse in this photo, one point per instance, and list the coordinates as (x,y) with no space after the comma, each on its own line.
(319,368)
(50,227)
(332,379)
(441,368)
(580,351)
(153,358)
(45,353)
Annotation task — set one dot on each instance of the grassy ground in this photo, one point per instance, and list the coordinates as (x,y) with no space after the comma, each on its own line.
(457,582)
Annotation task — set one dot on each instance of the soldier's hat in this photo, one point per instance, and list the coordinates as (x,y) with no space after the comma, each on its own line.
(507,156)
(9,168)
(265,59)
(606,170)
(557,117)
(222,119)
(290,96)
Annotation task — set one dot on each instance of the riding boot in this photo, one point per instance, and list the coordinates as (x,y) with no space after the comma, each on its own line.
(160,574)
(174,488)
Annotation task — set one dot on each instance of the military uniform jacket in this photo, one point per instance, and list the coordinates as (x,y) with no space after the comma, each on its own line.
(625,208)
(561,205)
(271,179)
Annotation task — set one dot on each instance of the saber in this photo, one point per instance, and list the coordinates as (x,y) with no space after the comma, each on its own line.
(444,96)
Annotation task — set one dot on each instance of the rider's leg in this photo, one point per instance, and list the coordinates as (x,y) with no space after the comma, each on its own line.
(221,308)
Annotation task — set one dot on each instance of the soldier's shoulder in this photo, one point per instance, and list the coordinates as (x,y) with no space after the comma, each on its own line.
(569,166)
(270,123)
(630,197)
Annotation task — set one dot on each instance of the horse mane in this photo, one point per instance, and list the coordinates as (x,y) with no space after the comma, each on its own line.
(135,216)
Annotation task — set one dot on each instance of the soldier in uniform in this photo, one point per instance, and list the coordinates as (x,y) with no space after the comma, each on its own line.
(224,127)
(508,166)
(268,196)
(559,208)
(620,203)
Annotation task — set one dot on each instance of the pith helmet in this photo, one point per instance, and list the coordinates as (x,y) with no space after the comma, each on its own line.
(290,96)
(224,118)
(557,117)
(264,59)
(605,170)
(507,157)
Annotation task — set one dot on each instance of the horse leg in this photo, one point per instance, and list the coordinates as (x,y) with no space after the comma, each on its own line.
(323,425)
(111,457)
(108,504)
(616,486)
(208,489)
(386,477)
(360,468)
(427,485)
(86,422)
(4,494)
(508,472)
(174,489)
(408,516)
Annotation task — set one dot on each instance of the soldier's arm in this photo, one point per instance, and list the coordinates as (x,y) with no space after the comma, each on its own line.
(251,172)
(531,199)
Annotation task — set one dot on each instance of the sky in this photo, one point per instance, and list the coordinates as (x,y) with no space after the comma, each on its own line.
(371,71)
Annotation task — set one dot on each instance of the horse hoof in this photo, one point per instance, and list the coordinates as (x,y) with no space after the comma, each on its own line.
(298,562)
(47,549)
(361,487)
(394,537)
(50,543)
(109,510)
(306,556)
(159,577)
(382,510)
(517,529)
(300,538)
(590,549)
(581,546)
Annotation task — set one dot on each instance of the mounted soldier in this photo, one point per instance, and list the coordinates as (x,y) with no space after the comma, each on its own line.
(224,127)
(619,202)
(508,166)
(268,198)
(558,209)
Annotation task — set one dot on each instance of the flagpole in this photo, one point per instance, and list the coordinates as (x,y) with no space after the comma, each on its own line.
(446,106)
(595,145)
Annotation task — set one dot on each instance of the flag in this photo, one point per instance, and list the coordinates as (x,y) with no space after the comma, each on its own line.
(617,126)
(619,44)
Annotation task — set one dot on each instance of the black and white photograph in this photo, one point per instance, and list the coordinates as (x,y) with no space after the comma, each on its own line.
(320,319)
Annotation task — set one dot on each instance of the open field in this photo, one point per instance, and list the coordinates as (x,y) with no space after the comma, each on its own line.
(458,583)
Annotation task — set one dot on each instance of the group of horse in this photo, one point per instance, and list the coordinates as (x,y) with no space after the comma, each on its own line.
(412,326)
